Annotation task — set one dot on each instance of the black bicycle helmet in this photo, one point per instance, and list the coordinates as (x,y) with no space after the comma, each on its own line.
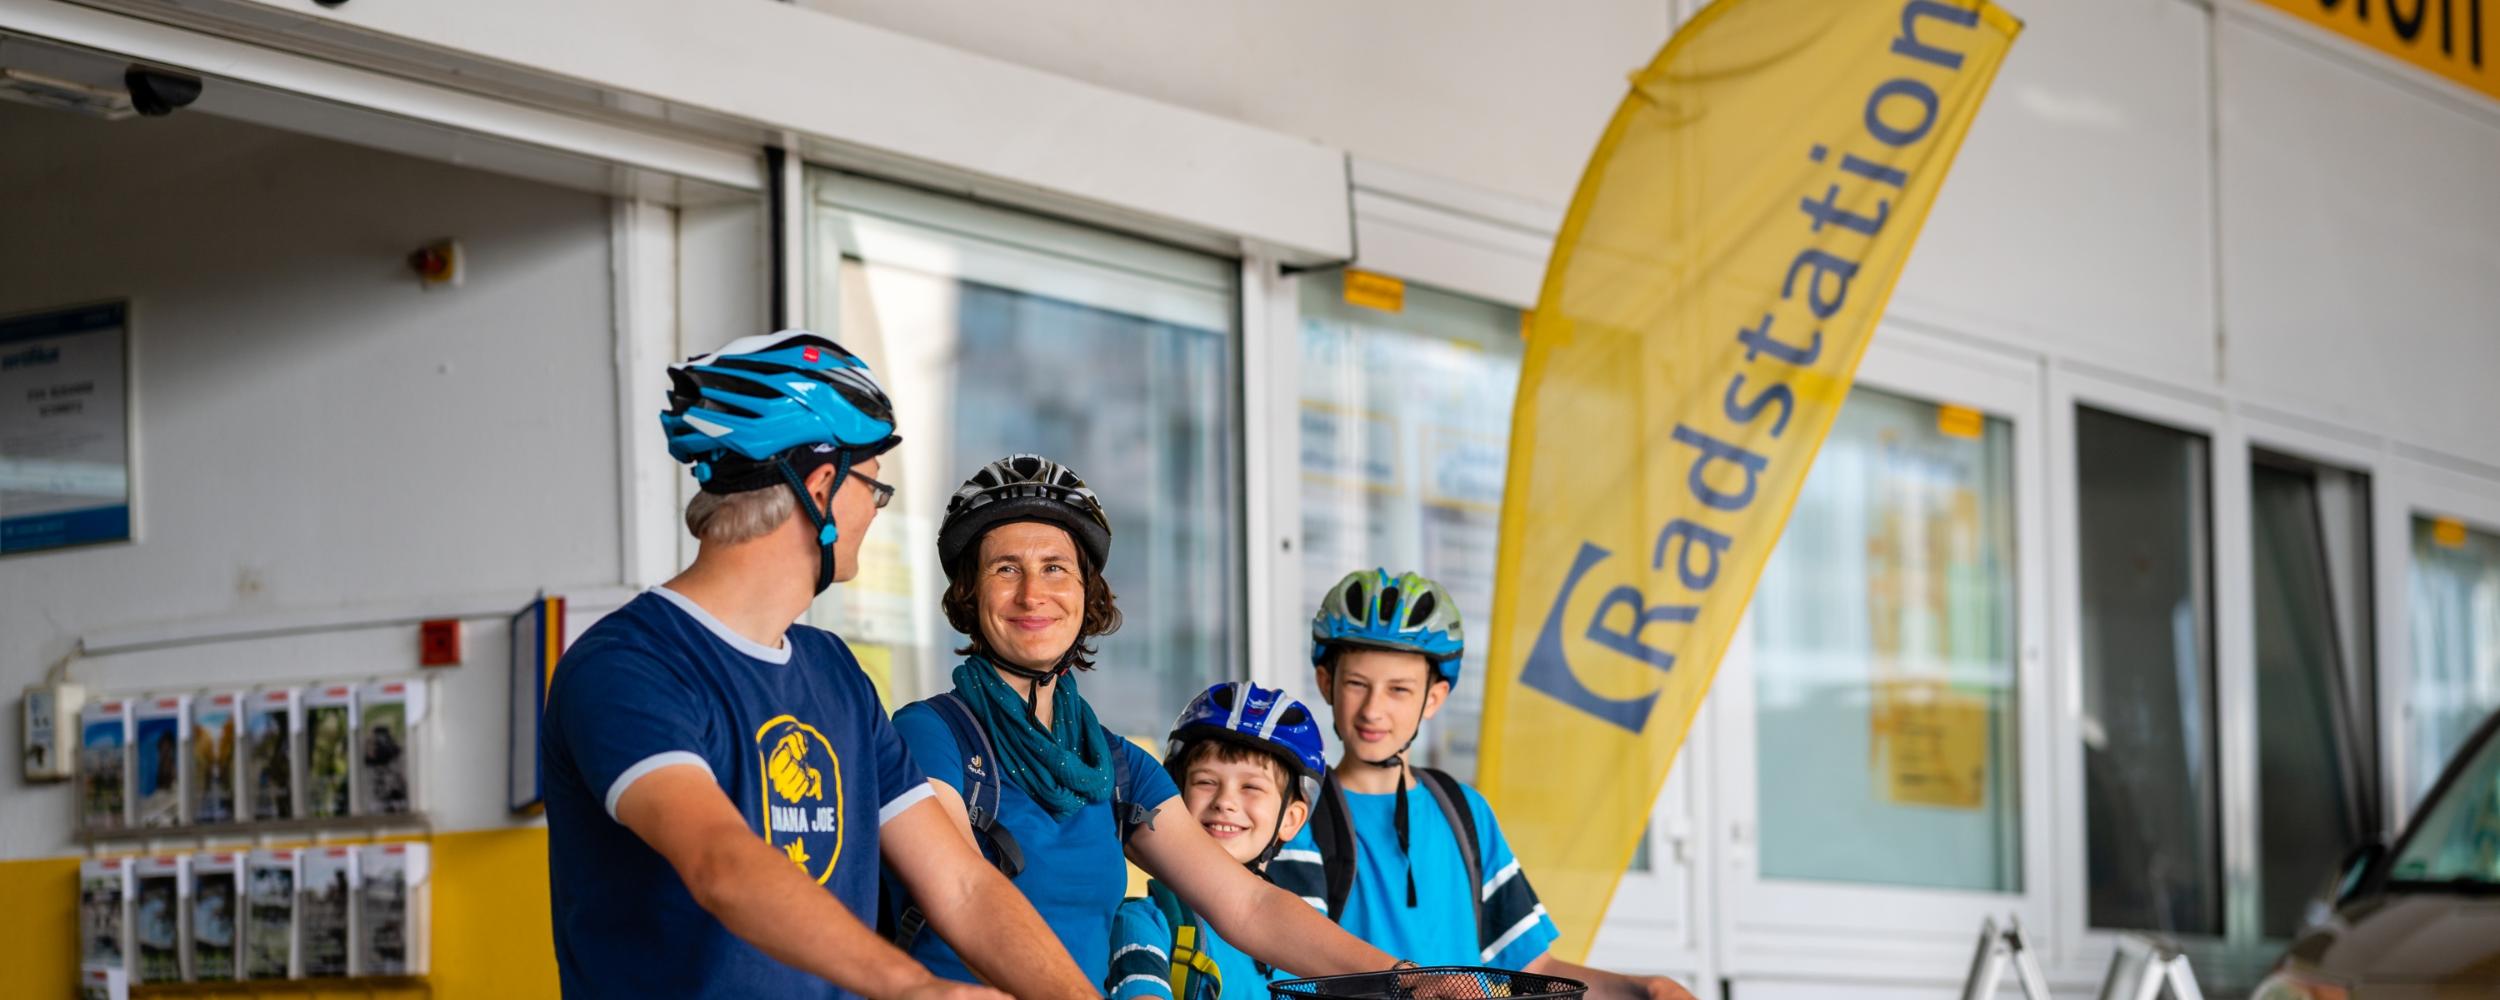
(1024,488)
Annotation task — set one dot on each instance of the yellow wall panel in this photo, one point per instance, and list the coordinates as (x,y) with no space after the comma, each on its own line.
(490,927)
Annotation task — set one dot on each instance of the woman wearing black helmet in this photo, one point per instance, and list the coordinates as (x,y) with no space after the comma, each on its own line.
(1057,801)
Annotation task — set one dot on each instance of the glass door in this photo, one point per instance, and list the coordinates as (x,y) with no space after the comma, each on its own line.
(1881,704)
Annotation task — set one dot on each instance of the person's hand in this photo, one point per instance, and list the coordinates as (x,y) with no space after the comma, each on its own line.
(947,989)
(1663,988)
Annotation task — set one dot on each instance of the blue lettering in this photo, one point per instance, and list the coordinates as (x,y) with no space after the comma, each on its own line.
(1909,45)
(1824,265)
(1715,450)
(1747,412)
(1549,672)
(1628,641)
(1828,211)
(1758,342)
(1713,544)
(1903,87)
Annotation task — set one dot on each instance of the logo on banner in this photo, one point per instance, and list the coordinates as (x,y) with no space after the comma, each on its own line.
(802,779)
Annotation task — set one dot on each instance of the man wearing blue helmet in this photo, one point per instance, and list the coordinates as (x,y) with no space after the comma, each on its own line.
(721,783)
(1410,858)
(1248,761)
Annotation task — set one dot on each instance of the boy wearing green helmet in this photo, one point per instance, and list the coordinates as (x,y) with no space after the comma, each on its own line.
(1410,858)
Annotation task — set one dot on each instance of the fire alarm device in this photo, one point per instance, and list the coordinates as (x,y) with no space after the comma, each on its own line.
(438,643)
(438,264)
(50,726)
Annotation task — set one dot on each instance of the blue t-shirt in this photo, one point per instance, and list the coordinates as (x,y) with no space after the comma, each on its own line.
(1441,928)
(794,736)
(1074,872)
(1142,942)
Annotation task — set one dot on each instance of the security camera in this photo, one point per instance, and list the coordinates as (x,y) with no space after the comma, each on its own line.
(160,92)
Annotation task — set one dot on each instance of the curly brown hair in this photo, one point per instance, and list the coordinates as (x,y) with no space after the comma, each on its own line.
(963,608)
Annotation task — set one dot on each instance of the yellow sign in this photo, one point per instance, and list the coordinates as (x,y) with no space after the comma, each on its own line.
(1960,422)
(1719,274)
(2447,38)
(1374,291)
(1931,745)
(2448,532)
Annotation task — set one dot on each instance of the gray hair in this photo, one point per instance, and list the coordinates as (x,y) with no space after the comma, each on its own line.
(739,517)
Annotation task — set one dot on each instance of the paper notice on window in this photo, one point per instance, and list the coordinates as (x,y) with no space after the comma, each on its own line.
(64,429)
(1931,745)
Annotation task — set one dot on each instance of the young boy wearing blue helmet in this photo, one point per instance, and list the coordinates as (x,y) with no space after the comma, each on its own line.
(1408,857)
(1248,761)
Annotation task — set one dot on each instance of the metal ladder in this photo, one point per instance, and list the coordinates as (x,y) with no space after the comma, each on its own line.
(2139,971)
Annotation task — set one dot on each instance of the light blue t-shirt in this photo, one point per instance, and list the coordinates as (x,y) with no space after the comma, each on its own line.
(1075,873)
(1441,928)
(1141,959)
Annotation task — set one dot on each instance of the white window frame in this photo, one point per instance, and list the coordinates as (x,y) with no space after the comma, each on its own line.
(2415,487)
(1836,932)
(2081,949)
(2260,428)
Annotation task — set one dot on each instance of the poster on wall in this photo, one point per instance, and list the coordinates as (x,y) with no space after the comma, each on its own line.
(64,428)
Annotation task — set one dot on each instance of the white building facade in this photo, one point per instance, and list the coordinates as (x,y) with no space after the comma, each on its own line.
(2163,478)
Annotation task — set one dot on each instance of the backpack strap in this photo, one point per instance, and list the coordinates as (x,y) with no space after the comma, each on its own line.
(981,792)
(1195,976)
(1334,833)
(1453,799)
(1126,815)
(982,783)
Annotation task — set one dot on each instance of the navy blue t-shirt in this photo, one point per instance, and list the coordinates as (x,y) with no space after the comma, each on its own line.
(794,736)
(1074,872)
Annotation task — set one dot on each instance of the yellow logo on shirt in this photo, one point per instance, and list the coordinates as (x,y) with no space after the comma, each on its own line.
(802,793)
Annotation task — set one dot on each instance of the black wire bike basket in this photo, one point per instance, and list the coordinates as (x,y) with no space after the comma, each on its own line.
(1437,982)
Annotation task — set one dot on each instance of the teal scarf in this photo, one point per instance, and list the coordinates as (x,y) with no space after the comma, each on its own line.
(1063,768)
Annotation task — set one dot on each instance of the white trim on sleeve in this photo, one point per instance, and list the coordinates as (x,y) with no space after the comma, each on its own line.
(644,767)
(1501,878)
(1143,979)
(1298,854)
(1160,957)
(1514,932)
(911,797)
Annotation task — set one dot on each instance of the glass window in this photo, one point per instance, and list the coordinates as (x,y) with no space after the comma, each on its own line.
(1405,431)
(2458,839)
(1884,657)
(2317,732)
(2152,813)
(2456,642)
(999,333)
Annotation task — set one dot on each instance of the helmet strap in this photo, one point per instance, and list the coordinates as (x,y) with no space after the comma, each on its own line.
(1040,678)
(1398,760)
(826,531)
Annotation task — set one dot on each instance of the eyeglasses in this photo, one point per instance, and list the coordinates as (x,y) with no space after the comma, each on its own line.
(885,493)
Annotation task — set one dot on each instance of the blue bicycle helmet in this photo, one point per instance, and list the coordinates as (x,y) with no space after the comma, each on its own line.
(1370,609)
(772,408)
(1263,719)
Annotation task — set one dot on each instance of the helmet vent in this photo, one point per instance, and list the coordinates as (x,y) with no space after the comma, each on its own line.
(1422,611)
(1354,601)
(1388,606)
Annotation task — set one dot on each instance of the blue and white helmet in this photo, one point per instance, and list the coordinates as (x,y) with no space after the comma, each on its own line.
(1263,719)
(1370,609)
(732,412)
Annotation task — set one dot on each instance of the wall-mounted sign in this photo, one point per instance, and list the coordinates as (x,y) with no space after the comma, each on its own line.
(64,428)
(2458,40)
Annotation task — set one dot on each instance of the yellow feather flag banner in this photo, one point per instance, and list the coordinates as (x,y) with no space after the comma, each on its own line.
(1714,285)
